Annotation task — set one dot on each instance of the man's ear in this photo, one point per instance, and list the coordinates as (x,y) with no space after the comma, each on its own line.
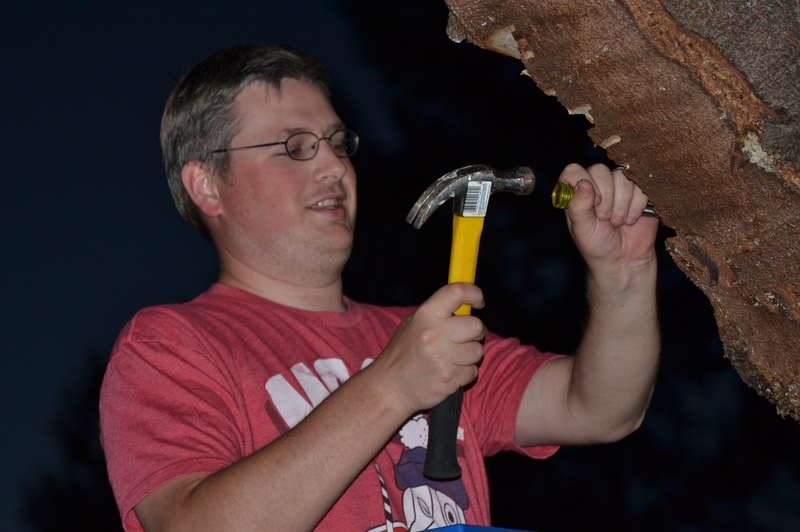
(201,185)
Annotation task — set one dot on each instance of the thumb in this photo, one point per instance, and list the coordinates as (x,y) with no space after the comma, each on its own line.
(581,213)
(450,297)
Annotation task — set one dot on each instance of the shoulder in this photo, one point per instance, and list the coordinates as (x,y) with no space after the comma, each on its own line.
(213,309)
(172,331)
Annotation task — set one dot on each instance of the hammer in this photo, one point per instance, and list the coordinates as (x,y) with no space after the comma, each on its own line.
(470,188)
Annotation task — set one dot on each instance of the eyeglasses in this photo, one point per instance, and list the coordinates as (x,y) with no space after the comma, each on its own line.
(304,145)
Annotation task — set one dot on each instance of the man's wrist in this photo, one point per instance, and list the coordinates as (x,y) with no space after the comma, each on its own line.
(632,282)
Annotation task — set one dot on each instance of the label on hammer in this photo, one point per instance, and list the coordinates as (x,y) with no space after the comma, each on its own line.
(476,199)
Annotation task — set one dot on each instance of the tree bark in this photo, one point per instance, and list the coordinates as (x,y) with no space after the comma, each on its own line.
(701,102)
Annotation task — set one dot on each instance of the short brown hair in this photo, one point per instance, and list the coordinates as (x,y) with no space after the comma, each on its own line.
(200,116)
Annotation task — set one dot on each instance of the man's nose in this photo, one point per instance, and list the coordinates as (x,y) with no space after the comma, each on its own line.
(335,167)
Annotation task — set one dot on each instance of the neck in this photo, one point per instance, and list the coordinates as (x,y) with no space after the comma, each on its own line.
(323,293)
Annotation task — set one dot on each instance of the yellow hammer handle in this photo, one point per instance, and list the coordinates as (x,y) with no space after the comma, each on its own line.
(464,253)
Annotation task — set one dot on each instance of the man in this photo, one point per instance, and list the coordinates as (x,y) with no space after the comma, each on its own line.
(273,402)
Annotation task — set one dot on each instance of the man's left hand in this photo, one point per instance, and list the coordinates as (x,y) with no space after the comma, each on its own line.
(606,223)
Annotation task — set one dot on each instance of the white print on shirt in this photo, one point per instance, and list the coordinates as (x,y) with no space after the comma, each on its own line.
(425,508)
(426,504)
(390,525)
(415,432)
(291,405)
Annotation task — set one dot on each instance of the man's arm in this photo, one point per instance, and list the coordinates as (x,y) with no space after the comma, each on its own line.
(602,392)
(291,483)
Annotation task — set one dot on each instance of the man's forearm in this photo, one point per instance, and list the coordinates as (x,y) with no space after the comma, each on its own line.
(615,367)
(291,483)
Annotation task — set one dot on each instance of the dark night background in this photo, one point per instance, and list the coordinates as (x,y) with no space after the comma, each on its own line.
(93,236)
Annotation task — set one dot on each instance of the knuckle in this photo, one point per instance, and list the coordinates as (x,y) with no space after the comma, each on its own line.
(470,374)
(477,323)
(459,290)
(478,352)
(427,338)
(599,169)
(573,168)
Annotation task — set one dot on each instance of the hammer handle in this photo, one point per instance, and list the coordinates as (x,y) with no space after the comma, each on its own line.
(441,462)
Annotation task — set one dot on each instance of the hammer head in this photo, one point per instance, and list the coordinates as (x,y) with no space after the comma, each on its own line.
(455,184)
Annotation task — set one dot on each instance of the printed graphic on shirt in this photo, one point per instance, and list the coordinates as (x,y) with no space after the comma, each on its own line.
(426,504)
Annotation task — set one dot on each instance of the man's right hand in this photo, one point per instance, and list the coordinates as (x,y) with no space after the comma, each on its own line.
(433,353)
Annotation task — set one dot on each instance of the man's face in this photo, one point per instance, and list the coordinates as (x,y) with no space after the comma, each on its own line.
(289,219)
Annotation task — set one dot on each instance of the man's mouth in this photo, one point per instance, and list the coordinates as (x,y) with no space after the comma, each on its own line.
(331,203)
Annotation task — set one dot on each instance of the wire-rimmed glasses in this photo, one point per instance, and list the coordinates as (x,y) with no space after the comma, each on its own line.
(303,146)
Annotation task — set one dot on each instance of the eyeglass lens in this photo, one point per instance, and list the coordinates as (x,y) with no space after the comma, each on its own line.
(303,146)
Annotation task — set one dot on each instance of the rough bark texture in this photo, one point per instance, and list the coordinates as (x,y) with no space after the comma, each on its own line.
(701,100)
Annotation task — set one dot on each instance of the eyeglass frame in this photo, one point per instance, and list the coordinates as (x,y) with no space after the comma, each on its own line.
(285,143)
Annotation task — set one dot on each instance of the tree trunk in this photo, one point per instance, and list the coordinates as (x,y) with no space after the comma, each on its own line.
(701,101)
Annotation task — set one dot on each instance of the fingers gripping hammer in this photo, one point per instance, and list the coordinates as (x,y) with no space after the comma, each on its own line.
(470,188)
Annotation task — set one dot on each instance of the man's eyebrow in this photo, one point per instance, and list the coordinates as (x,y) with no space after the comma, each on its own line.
(327,131)
(292,131)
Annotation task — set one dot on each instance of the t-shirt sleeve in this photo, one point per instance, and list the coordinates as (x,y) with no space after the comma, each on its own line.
(164,411)
(493,401)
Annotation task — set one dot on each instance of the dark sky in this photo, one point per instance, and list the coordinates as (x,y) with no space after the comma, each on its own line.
(92,235)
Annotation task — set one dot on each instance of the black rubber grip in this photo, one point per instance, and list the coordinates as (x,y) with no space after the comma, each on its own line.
(441,462)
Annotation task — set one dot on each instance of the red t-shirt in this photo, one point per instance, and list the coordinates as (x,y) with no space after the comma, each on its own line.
(193,388)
